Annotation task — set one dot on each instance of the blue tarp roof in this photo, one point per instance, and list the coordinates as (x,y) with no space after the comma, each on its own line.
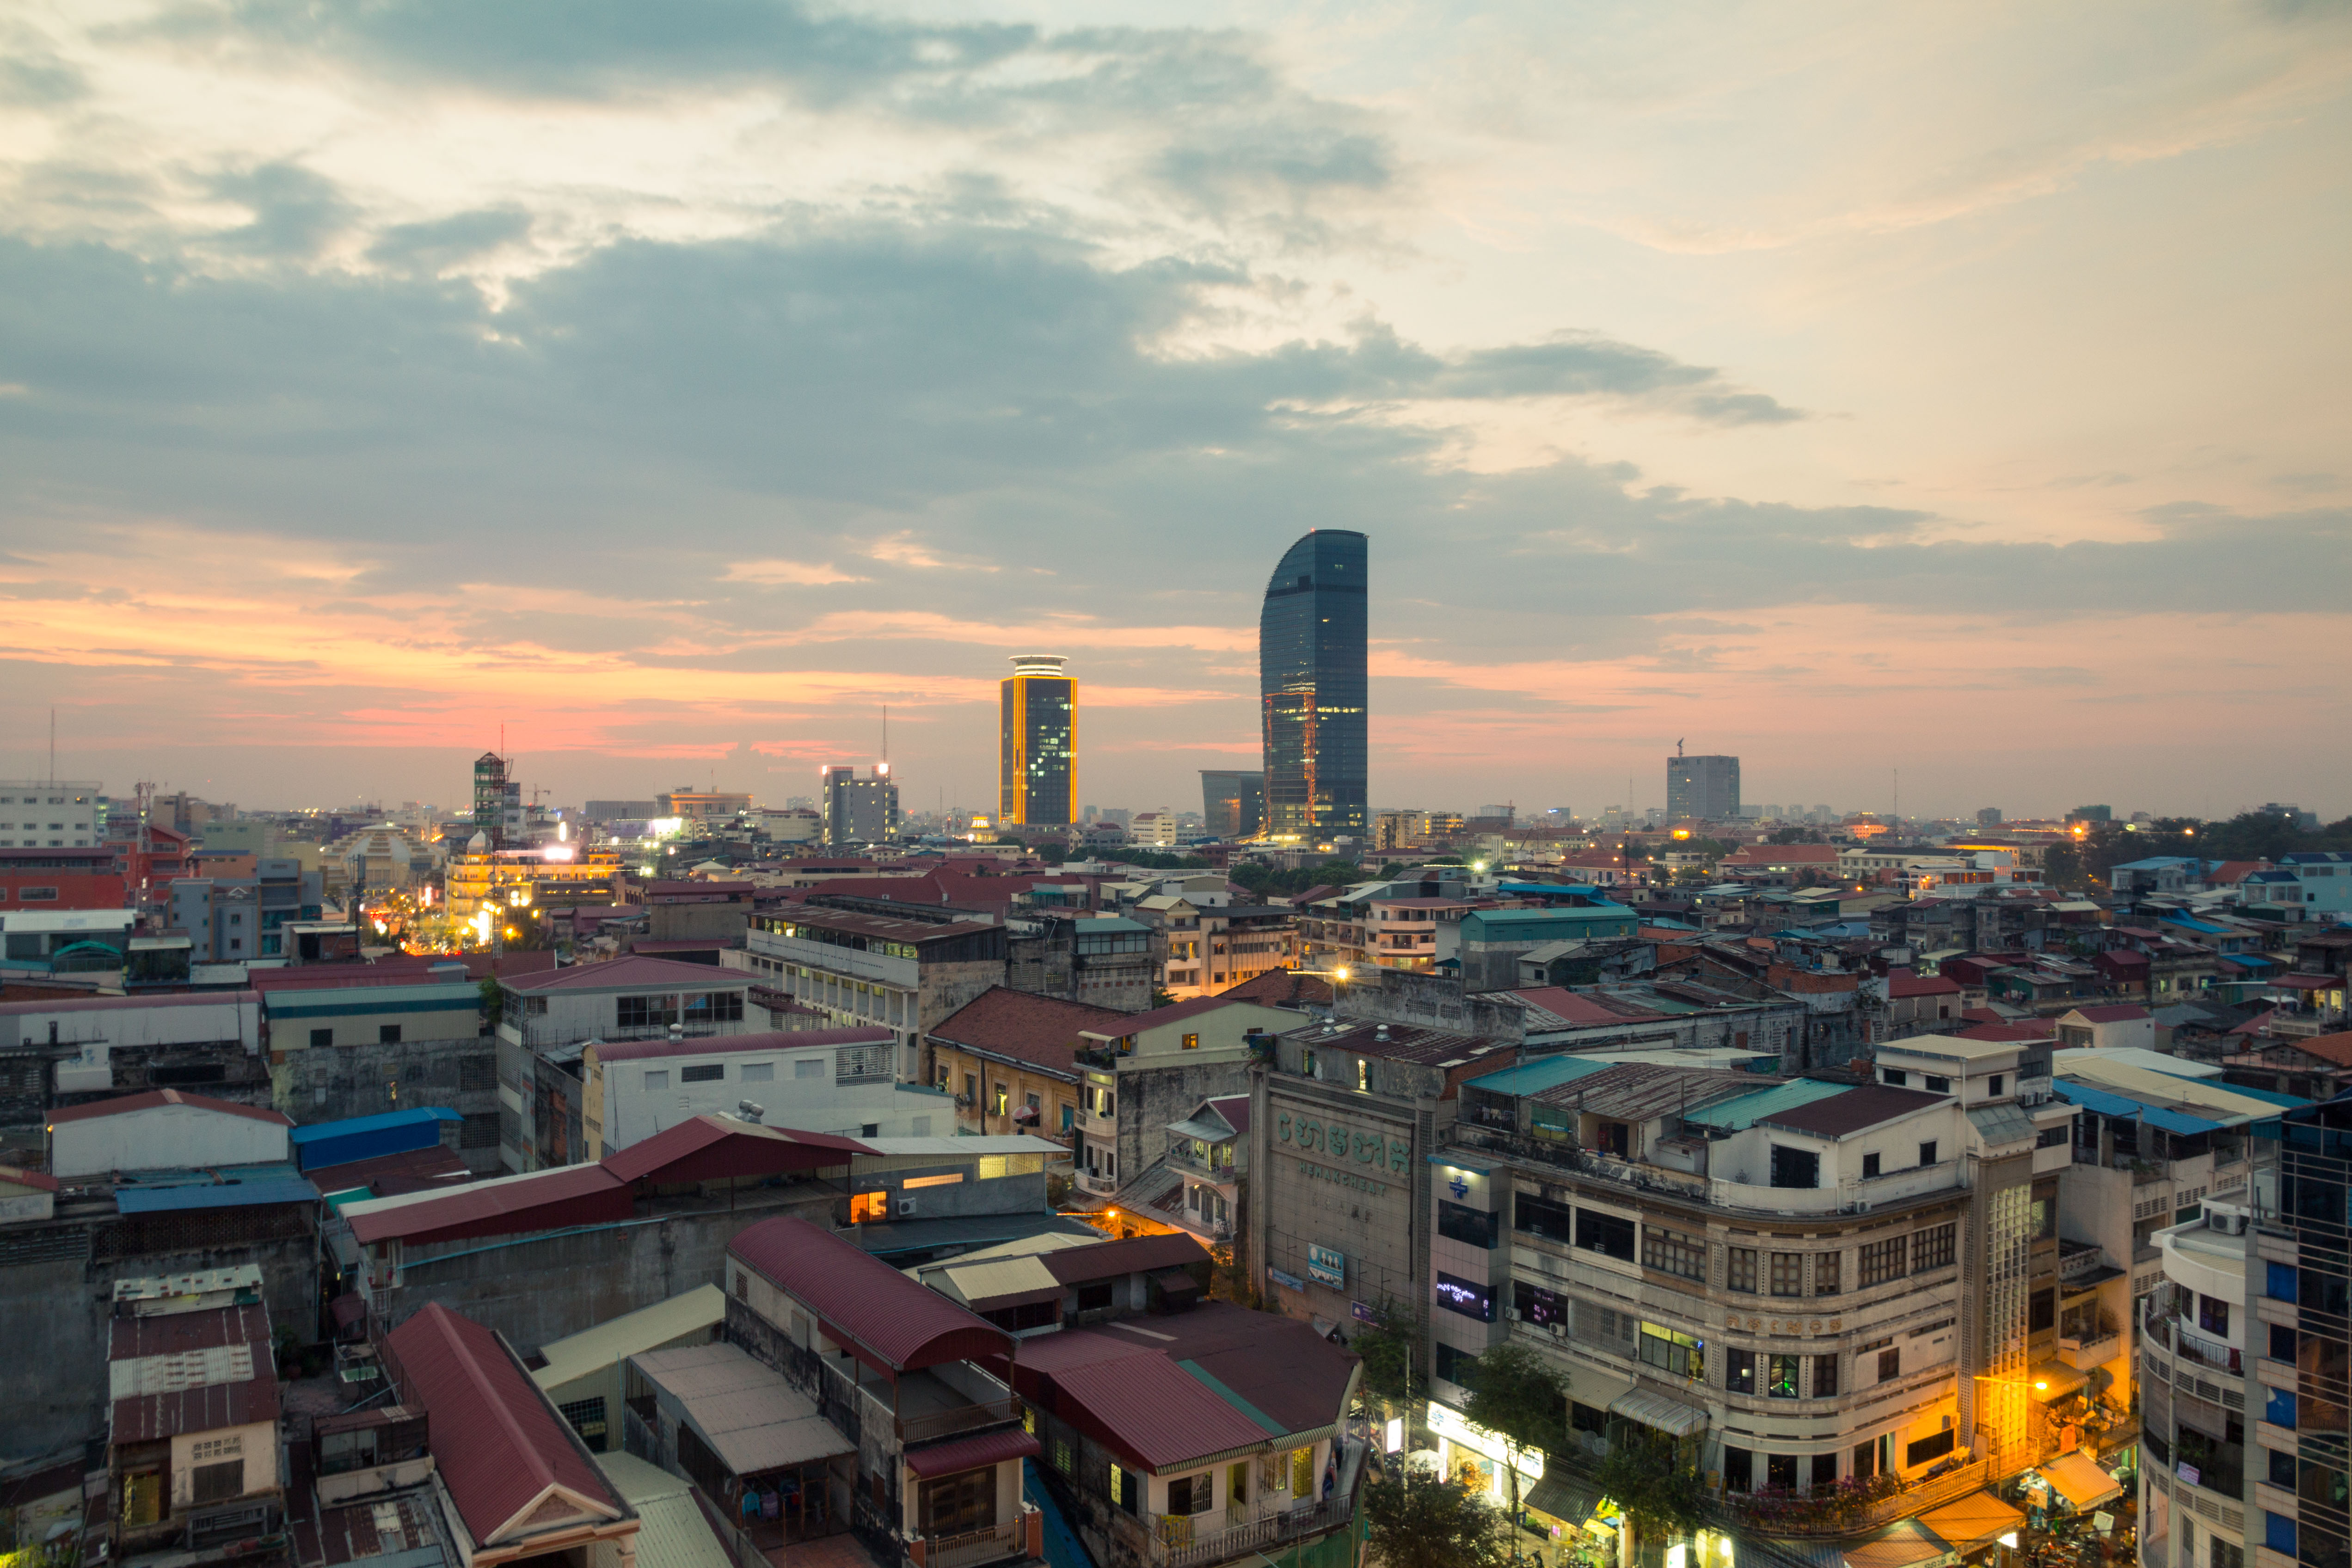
(2185,923)
(318,1129)
(231,1195)
(2111,1104)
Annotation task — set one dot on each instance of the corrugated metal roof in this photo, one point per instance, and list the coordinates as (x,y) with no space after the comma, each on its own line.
(1131,1255)
(1004,1282)
(971,1452)
(708,1147)
(617,1338)
(224,1195)
(155,1098)
(317,1130)
(1738,1115)
(892,1322)
(751,1418)
(671,1530)
(1999,1124)
(536,1200)
(1636,1091)
(1865,1106)
(1530,1077)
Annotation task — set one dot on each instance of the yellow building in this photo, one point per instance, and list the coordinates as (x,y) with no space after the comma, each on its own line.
(1037,774)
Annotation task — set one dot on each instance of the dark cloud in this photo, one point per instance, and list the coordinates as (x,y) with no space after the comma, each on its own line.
(295,212)
(448,242)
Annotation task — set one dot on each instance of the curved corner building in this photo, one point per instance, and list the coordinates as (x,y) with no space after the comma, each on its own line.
(1037,773)
(1310,665)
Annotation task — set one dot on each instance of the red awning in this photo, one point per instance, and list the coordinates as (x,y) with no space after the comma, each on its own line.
(348,1309)
(971,1452)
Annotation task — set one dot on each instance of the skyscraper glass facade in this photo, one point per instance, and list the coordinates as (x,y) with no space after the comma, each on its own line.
(1233,804)
(1706,788)
(1310,660)
(1037,756)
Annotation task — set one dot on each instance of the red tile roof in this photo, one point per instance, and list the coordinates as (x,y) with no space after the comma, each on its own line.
(1899,987)
(1040,1030)
(1165,1399)
(2336,1048)
(154,1098)
(436,1169)
(889,1322)
(710,1045)
(1281,988)
(16,1176)
(708,1148)
(541,1200)
(498,1444)
(1235,1110)
(1174,1013)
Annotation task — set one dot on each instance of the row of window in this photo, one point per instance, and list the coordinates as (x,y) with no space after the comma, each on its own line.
(1746,1269)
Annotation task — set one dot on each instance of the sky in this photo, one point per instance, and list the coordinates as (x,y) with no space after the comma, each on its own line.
(1948,399)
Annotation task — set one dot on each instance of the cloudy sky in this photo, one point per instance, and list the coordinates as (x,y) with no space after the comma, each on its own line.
(1951,389)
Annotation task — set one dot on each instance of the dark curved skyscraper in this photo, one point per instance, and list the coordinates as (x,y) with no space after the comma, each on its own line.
(1310,670)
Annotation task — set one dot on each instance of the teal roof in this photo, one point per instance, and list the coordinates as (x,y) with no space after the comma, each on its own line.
(1532,1077)
(1740,1114)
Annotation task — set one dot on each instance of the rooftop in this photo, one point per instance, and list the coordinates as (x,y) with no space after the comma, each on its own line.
(1856,1111)
(750,1416)
(616,1339)
(1637,1092)
(890,1322)
(158,1099)
(737,1044)
(628,975)
(1402,1043)
(1042,1030)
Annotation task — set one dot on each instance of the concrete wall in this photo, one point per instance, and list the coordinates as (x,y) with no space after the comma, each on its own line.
(56,1292)
(163,1135)
(1431,1002)
(536,1289)
(328,1085)
(1149,1098)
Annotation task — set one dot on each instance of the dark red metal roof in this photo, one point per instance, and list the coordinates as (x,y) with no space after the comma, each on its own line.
(543,1200)
(85,1002)
(435,1169)
(709,1147)
(889,1321)
(1866,1106)
(153,1097)
(497,1442)
(150,1417)
(176,1333)
(1135,1255)
(971,1452)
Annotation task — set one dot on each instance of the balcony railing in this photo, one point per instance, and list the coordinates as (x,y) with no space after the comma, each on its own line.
(964,1418)
(1180,1541)
(990,1544)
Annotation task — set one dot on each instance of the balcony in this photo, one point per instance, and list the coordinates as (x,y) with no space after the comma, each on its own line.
(1180,1541)
(2083,1354)
(990,1544)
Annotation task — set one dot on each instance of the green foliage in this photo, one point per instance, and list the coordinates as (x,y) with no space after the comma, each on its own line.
(1151,861)
(494,1002)
(1796,836)
(1391,1346)
(1429,1523)
(1654,1485)
(1262,879)
(1518,1394)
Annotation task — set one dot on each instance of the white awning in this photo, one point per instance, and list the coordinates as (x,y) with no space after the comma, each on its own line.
(1668,1415)
(2080,1482)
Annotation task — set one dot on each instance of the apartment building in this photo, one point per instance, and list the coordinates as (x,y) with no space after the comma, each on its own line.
(1144,1072)
(2200,1355)
(904,966)
(1212,947)
(1816,1282)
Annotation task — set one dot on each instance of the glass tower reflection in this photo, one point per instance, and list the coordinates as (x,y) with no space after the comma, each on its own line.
(1310,660)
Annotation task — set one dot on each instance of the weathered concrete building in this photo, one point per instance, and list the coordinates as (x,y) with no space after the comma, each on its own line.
(859,961)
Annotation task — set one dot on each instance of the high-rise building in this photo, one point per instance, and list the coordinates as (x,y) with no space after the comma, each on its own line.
(492,793)
(35,814)
(1232,804)
(1038,757)
(860,810)
(1706,788)
(1311,684)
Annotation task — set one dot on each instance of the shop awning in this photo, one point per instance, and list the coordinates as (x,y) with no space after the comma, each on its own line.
(2054,1380)
(2082,1483)
(1569,1499)
(1973,1521)
(971,1452)
(1668,1415)
(1901,1546)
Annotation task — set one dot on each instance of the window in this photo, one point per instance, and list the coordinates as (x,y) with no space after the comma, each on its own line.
(37,895)
(703,1072)
(1938,1085)
(1095,1296)
(759,1072)
(1673,1253)
(1928,1152)
(1781,1471)
(387,1033)
(1739,1269)
(1825,1375)
(2281,1284)
(2278,1533)
(1466,1296)
(478,1131)
(1673,1352)
(1069,1115)
(1738,1469)
(1927,1450)
(1739,1371)
(1537,1305)
(2053,1137)
(478,1073)
(1192,1494)
(219,1483)
(2278,1408)
(1890,1365)
(1869,1166)
(1788,1274)
(323,1036)
(1824,1470)
(2282,1463)
(1605,1232)
(2040,1311)
(1471,1227)
(587,1418)
(813,1066)
(1826,1273)
(647,1012)
(2214,1315)
(1363,1075)
(1932,1248)
(1897,1077)
(1998,1081)
(1795,1167)
(1002,1101)
(1191,1042)
(657,1079)
(1457,1366)
(2282,1342)
(954,1504)
(1539,1216)
(1783,1384)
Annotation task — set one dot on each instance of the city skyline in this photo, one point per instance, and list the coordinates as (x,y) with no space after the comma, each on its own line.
(360,416)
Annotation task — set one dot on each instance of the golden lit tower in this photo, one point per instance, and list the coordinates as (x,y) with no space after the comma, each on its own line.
(1037,768)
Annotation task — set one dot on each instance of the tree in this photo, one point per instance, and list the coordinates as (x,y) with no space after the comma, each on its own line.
(494,1001)
(1389,1344)
(1522,1399)
(1795,836)
(1654,1486)
(1414,1523)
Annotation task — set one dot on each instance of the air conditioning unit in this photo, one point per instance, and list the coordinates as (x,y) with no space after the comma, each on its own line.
(1560,1330)
(1512,1313)
(906,1208)
(2227,1222)
(1859,1205)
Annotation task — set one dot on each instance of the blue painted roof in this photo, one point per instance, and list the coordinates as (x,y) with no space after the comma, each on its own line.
(1530,1078)
(2109,1104)
(343,1129)
(227,1195)
(1740,1114)
(2185,923)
